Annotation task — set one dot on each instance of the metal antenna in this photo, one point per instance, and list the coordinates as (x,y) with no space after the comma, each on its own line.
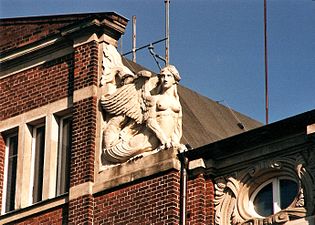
(134,36)
(266,63)
(167,32)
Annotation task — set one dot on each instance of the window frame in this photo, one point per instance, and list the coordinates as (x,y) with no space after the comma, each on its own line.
(6,170)
(60,161)
(33,158)
(276,201)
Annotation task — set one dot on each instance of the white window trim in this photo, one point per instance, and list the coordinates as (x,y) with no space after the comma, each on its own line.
(5,180)
(25,123)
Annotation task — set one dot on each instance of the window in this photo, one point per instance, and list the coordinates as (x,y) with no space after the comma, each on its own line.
(273,196)
(38,154)
(10,174)
(64,146)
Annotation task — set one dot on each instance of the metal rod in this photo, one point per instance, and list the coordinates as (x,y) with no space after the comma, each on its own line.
(167,31)
(266,63)
(155,56)
(145,46)
(134,38)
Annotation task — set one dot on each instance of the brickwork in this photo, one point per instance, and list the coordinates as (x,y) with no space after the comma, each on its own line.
(2,157)
(152,201)
(86,65)
(36,87)
(54,216)
(81,210)
(31,29)
(83,141)
(200,206)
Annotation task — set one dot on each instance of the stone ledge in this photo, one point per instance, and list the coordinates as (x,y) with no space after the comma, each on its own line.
(80,190)
(33,209)
(140,168)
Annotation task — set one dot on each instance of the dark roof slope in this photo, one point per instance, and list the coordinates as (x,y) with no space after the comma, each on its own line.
(204,120)
(261,136)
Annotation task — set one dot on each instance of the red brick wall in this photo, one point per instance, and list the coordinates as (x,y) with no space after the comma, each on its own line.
(36,87)
(81,210)
(53,216)
(86,65)
(154,200)
(200,207)
(83,141)
(28,33)
(2,157)
(31,29)
(84,132)
(84,115)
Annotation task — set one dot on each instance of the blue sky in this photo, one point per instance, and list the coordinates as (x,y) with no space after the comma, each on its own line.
(218,46)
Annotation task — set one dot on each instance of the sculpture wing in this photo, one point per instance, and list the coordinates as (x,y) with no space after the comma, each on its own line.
(125,100)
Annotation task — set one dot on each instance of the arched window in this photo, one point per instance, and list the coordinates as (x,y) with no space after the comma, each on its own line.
(273,196)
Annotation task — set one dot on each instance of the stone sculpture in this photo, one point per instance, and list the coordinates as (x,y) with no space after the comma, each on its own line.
(143,112)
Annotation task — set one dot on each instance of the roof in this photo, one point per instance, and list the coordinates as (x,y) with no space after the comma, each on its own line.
(204,120)
(257,137)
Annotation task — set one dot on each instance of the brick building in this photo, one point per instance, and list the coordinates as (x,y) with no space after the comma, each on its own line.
(51,169)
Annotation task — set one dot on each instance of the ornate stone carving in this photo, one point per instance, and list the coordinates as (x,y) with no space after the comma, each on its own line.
(232,193)
(142,111)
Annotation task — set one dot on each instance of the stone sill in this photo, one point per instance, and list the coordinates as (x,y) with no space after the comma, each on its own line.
(34,209)
(154,163)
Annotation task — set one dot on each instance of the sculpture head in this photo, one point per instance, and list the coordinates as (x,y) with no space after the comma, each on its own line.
(169,76)
(172,70)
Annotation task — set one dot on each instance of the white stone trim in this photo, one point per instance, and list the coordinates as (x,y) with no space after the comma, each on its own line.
(197,163)
(29,50)
(150,164)
(25,162)
(84,93)
(310,129)
(5,179)
(36,62)
(81,190)
(35,209)
(84,40)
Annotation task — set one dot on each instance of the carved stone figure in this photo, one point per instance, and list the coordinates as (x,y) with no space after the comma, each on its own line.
(143,112)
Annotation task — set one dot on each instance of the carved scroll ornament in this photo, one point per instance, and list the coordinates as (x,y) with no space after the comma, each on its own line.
(232,193)
(142,111)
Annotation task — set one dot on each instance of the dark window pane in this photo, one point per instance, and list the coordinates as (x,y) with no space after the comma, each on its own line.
(288,191)
(64,156)
(39,164)
(263,202)
(11,175)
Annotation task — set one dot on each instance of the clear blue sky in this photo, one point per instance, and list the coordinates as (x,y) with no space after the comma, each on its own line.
(218,46)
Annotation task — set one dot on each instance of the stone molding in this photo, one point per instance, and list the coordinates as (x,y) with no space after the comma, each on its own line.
(34,209)
(153,163)
(232,192)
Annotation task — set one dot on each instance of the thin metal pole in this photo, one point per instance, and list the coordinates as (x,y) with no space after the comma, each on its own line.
(167,32)
(134,36)
(266,63)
